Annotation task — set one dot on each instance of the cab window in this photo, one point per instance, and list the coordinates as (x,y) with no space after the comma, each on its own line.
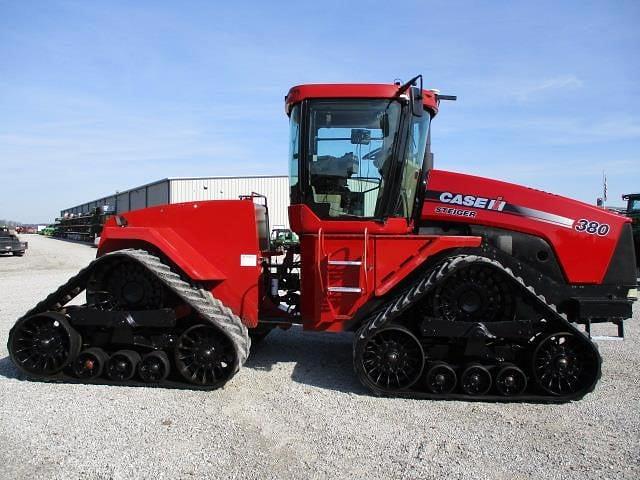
(349,155)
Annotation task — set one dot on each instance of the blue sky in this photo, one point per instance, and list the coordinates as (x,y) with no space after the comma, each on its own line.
(97,96)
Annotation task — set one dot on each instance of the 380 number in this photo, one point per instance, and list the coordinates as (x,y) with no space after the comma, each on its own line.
(592,227)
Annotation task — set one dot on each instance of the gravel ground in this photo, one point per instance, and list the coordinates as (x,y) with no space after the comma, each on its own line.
(295,411)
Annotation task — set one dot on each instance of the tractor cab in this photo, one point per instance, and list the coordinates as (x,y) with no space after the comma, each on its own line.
(357,159)
(633,212)
(633,203)
(358,152)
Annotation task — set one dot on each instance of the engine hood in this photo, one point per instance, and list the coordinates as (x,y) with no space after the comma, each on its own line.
(583,236)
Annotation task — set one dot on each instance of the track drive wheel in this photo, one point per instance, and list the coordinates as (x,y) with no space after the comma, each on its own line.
(43,344)
(475,380)
(122,365)
(154,367)
(391,359)
(205,357)
(441,378)
(477,293)
(128,285)
(564,364)
(90,363)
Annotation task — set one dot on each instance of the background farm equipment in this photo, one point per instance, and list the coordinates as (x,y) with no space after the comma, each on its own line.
(633,212)
(84,228)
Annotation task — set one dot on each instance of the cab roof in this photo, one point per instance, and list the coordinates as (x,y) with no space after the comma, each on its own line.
(352,90)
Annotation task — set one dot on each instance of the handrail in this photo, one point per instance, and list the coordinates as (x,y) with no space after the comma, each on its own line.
(364,259)
(320,257)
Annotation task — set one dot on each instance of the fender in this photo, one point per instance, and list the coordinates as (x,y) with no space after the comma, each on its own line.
(188,259)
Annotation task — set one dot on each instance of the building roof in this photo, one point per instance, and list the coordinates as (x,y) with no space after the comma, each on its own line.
(170,179)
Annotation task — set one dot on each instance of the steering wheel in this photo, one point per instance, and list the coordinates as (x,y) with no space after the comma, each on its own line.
(373,154)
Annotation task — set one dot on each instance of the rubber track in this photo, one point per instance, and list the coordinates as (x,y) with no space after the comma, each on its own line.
(402,302)
(198,298)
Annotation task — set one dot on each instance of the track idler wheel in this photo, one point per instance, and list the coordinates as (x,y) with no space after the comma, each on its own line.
(441,378)
(391,359)
(564,364)
(510,380)
(122,365)
(475,380)
(43,344)
(90,363)
(205,357)
(154,367)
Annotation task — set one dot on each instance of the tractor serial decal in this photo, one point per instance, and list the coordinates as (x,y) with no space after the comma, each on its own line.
(497,204)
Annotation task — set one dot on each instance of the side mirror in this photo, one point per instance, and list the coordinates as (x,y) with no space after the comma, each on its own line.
(416,101)
(384,124)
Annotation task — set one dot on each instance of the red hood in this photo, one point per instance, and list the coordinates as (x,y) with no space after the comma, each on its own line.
(583,236)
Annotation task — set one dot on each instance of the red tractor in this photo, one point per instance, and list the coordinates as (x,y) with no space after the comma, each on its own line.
(457,287)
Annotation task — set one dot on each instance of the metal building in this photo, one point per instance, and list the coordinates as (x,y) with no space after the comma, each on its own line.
(178,190)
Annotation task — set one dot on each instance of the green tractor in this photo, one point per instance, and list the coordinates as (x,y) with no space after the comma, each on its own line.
(283,238)
(47,231)
(633,212)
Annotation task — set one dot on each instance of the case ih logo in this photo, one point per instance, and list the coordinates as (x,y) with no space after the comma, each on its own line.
(472,201)
(493,204)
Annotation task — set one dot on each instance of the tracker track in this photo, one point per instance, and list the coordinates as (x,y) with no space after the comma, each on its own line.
(208,308)
(394,312)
